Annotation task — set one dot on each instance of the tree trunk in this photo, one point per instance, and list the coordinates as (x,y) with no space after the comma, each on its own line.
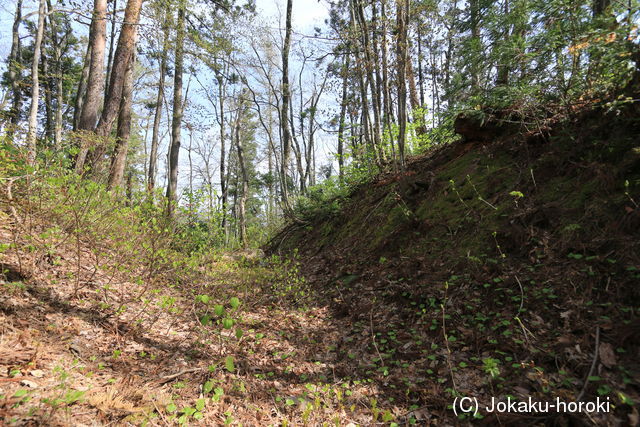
(474,24)
(242,221)
(191,198)
(364,101)
(368,66)
(223,175)
(112,38)
(155,136)
(46,85)
(402,12)
(504,58)
(343,111)
(420,72)
(14,67)
(119,159)
(95,80)
(286,135)
(308,173)
(58,114)
(35,87)
(270,155)
(78,102)
(386,92)
(418,114)
(176,122)
(435,93)
(58,78)
(448,56)
(297,152)
(375,64)
(122,57)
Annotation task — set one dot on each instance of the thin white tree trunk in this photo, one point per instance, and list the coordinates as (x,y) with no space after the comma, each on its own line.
(35,90)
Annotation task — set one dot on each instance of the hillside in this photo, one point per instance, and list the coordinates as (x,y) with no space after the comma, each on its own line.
(522,248)
(505,265)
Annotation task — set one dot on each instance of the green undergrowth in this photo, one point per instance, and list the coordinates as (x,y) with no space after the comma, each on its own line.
(124,258)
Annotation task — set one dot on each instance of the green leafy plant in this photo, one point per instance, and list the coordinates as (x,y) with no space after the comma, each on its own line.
(491,367)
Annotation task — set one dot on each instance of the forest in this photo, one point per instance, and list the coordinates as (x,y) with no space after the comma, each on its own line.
(332,212)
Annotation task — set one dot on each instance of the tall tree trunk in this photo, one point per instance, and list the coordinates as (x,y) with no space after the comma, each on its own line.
(119,159)
(35,86)
(308,173)
(112,38)
(375,56)
(402,12)
(145,153)
(435,92)
(191,198)
(343,111)
(416,107)
(368,66)
(310,170)
(504,58)
(474,24)
(235,185)
(448,56)
(242,220)
(386,92)
(270,155)
(155,136)
(297,152)
(46,85)
(223,175)
(286,135)
(420,72)
(95,80)
(364,101)
(58,114)
(57,77)
(123,55)
(78,102)
(14,67)
(176,122)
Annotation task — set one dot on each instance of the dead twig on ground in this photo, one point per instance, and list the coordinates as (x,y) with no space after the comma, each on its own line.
(593,365)
(165,379)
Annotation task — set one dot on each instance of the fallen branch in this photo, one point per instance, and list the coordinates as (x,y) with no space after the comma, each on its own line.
(593,365)
(165,379)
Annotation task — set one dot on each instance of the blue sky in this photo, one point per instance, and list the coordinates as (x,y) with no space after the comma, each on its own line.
(306,15)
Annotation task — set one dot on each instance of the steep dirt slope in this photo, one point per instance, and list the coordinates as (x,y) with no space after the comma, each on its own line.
(523,250)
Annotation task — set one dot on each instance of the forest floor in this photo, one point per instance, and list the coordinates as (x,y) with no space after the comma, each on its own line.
(369,354)
(506,270)
(68,359)
(63,361)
